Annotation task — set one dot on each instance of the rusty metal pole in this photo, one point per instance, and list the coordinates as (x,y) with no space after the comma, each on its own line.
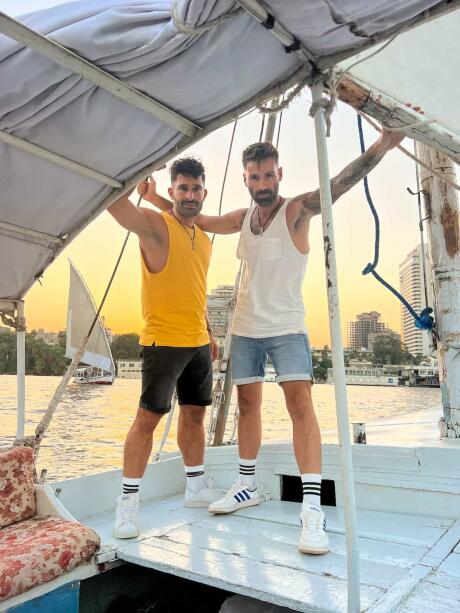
(442,211)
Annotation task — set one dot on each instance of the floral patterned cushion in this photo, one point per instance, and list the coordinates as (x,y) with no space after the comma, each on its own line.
(40,549)
(17,497)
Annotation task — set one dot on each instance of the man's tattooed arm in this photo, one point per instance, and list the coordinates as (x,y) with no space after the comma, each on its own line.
(352,173)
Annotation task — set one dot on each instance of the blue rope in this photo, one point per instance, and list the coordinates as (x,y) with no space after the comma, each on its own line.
(424,321)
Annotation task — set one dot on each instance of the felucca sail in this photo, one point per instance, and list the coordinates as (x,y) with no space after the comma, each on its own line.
(80,315)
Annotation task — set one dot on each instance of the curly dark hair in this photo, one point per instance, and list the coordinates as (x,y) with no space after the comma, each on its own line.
(189,167)
(258,152)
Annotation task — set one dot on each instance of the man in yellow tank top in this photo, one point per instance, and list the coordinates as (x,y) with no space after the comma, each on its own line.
(177,346)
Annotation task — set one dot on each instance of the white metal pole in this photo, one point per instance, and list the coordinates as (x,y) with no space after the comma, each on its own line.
(349,501)
(60,160)
(21,369)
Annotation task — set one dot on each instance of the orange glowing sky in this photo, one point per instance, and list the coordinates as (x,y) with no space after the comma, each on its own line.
(95,251)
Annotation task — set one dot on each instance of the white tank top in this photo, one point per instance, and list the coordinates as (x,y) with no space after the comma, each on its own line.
(270,297)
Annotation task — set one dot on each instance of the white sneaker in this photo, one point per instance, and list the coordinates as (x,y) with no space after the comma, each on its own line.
(237,497)
(313,538)
(126,524)
(203,497)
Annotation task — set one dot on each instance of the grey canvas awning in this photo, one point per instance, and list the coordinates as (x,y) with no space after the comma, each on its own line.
(73,136)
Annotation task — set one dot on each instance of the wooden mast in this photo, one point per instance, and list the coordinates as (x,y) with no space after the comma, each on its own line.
(442,213)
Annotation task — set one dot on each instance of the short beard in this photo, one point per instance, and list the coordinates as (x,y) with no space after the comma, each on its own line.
(185,212)
(265,200)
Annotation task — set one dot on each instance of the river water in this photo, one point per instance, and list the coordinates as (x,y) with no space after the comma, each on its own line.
(89,427)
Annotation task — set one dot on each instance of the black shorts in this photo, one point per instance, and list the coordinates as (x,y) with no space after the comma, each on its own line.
(188,369)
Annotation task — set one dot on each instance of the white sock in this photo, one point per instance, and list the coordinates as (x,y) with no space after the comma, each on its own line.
(311,486)
(248,473)
(195,477)
(130,485)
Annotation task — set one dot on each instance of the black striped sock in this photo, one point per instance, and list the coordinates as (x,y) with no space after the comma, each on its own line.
(195,477)
(130,485)
(311,487)
(195,473)
(248,472)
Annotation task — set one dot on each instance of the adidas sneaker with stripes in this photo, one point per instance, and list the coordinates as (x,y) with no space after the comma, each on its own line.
(313,538)
(238,496)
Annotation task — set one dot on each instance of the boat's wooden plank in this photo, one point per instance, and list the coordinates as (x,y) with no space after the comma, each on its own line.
(451,566)
(280,585)
(156,517)
(443,547)
(402,589)
(392,527)
(395,554)
(259,549)
(438,593)
(398,592)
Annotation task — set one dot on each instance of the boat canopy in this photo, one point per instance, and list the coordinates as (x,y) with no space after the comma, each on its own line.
(95,94)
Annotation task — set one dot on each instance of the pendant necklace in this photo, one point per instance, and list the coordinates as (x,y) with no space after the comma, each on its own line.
(272,214)
(192,235)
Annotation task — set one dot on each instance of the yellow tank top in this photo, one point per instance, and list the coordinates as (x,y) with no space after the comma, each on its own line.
(174,300)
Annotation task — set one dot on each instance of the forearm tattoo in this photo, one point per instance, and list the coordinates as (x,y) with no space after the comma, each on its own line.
(345,180)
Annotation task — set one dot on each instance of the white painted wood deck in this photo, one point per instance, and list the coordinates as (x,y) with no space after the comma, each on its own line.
(254,552)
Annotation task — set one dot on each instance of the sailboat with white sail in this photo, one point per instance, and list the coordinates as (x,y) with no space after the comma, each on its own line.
(98,362)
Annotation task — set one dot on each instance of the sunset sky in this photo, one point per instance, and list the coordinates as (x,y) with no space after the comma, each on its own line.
(95,251)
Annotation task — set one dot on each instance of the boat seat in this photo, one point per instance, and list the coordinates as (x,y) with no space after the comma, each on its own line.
(34,549)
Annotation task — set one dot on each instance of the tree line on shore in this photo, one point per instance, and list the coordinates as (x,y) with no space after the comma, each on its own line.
(44,359)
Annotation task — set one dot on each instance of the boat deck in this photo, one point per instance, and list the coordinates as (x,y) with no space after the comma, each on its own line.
(408,562)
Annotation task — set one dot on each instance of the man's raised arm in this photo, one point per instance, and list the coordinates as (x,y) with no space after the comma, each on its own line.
(353,173)
(216,224)
(135,219)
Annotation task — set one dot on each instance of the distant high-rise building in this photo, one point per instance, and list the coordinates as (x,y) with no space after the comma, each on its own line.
(412,287)
(358,331)
(218,309)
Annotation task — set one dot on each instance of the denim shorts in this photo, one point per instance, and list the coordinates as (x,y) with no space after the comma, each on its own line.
(187,369)
(290,355)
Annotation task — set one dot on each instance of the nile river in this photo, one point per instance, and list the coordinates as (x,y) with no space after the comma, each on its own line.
(88,429)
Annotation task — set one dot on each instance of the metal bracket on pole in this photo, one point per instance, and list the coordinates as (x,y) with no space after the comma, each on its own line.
(349,501)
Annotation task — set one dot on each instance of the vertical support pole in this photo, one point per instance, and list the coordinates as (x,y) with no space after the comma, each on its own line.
(21,370)
(442,213)
(337,356)
(217,428)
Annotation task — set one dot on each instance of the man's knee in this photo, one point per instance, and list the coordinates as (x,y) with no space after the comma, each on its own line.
(247,400)
(299,402)
(146,421)
(193,415)
(302,411)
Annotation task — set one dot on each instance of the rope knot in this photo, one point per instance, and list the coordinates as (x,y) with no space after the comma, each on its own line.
(328,105)
(369,268)
(425,321)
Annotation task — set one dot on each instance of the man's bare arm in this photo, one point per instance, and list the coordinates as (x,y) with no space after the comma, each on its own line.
(135,219)
(216,224)
(353,173)
(222,224)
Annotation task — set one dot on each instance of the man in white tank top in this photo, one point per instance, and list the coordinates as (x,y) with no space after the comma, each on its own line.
(269,320)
